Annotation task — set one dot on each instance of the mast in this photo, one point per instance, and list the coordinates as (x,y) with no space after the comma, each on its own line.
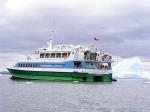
(50,41)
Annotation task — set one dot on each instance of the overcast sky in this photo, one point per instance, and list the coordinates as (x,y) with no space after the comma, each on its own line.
(123,26)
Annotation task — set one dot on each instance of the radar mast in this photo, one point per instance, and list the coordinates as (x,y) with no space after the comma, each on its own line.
(50,42)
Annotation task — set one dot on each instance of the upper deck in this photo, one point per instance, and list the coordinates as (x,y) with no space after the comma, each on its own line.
(70,52)
(68,56)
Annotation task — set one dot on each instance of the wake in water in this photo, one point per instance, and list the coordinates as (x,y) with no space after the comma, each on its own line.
(130,68)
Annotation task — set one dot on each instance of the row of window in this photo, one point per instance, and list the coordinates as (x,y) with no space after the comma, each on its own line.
(28,65)
(39,65)
(54,55)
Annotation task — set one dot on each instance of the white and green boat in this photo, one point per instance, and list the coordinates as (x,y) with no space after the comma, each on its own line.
(65,63)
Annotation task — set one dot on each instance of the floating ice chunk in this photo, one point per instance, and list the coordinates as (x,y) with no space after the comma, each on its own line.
(28,82)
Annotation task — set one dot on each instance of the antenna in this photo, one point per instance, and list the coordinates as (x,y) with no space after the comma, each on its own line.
(52,26)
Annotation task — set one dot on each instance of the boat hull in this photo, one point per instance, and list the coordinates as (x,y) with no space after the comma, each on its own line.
(60,76)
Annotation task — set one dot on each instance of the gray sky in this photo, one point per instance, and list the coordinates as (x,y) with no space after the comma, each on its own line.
(122,25)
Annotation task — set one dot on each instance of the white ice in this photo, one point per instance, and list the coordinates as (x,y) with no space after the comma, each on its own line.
(130,68)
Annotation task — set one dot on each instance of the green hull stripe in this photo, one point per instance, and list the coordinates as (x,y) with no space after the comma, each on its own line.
(60,76)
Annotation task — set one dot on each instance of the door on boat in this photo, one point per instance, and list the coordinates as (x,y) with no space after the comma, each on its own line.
(97,78)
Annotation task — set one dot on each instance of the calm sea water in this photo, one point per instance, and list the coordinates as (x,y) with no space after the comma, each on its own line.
(125,95)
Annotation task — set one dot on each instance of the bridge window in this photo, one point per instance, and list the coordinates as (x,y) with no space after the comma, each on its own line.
(53,55)
(64,55)
(42,55)
(47,55)
(58,55)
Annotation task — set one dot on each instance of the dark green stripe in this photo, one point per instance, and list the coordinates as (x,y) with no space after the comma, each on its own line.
(62,76)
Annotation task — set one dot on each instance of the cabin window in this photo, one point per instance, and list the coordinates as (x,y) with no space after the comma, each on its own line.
(91,64)
(64,55)
(47,55)
(93,56)
(109,65)
(42,55)
(52,55)
(87,55)
(58,55)
(77,64)
(104,65)
(68,54)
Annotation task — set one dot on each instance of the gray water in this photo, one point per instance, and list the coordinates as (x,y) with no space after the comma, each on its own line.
(125,95)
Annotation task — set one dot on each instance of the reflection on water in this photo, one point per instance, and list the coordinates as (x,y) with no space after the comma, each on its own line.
(125,95)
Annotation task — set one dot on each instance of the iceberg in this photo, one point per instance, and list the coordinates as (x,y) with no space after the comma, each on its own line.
(130,68)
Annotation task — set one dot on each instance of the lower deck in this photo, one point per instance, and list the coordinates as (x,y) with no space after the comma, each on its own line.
(61,76)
